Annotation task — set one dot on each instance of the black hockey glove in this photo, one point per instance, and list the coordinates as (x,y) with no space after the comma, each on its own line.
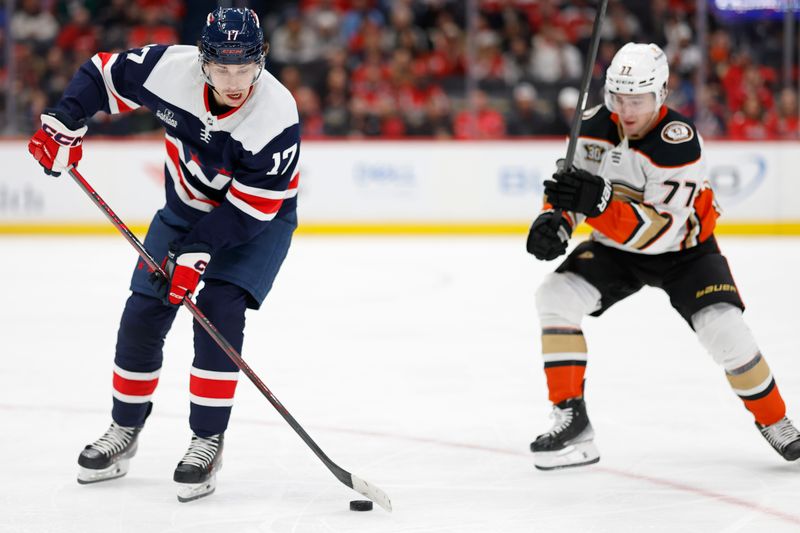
(578,190)
(548,236)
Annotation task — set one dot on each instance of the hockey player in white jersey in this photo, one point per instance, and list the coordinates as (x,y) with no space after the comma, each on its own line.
(232,149)
(639,180)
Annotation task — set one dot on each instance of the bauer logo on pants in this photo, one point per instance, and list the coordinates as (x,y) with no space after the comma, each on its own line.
(720,287)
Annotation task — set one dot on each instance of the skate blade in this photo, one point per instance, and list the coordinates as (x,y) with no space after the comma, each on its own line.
(578,454)
(87,476)
(188,492)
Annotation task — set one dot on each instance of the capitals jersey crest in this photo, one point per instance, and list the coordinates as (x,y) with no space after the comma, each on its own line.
(227,174)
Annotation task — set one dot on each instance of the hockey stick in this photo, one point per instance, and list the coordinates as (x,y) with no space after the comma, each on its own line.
(359,485)
(577,119)
(591,57)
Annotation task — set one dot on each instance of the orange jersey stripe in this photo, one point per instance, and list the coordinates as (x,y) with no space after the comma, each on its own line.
(707,213)
(619,222)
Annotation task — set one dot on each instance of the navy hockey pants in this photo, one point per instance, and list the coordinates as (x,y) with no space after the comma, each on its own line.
(241,279)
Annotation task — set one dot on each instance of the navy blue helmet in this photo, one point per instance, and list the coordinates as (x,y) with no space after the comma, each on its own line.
(232,36)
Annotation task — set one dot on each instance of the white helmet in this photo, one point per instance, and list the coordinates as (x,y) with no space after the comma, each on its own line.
(638,69)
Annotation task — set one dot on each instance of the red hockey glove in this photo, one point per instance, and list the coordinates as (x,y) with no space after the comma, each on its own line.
(58,144)
(183,266)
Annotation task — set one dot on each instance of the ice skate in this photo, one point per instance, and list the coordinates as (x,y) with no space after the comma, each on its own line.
(784,437)
(569,442)
(196,474)
(108,457)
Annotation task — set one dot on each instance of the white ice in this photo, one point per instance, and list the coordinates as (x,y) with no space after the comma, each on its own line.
(414,363)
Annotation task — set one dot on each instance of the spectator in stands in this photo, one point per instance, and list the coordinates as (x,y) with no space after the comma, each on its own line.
(553,58)
(421,102)
(710,117)
(405,60)
(359,13)
(365,120)
(749,123)
(294,42)
(372,75)
(568,99)
(115,19)
(391,123)
(516,61)
(153,28)
(525,118)
(784,122)
(651,16)
(59,72)
(446,61)
(681,94)
(488,67)
(512,24)
(620,26)
(337,83)
(336,97)
(336,115)
(311,121)
(33,25)
(402,32)
(719,49)
(325,20)
(684,56)
(480,120)
(438,121)
(291,79)
(79,35)
(743,78)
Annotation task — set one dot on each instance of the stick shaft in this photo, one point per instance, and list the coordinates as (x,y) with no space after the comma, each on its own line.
(341,474)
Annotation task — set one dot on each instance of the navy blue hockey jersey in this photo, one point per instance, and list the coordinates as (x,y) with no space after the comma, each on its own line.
(230,174)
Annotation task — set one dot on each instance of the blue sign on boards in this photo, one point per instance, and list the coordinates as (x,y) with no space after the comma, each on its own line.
(744,10)
(516,180)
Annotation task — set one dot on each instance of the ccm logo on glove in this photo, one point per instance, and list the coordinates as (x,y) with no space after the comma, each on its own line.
(183,266)
(58,144)
(61,138)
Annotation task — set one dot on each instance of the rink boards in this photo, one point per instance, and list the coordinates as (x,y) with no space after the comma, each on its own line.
(414,187)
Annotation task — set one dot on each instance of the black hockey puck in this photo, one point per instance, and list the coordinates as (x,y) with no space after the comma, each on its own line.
(360,505)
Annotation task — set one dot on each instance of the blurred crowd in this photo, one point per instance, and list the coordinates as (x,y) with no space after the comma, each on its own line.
(426,68)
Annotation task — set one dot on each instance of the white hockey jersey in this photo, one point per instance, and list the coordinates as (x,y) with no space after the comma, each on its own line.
(662,199)
(228,174)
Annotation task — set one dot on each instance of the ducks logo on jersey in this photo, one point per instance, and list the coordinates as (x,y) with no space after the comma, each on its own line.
(677,132)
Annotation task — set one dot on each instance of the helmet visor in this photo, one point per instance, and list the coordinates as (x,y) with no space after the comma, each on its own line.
(225,76)
(631,104)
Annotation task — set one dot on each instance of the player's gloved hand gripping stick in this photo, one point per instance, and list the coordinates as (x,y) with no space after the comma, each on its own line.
(58,144)
(359,485)
(576,189)
(572,192)
(183,265)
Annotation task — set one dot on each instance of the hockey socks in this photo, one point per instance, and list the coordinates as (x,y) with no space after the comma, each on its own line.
(564,353)
(754,384)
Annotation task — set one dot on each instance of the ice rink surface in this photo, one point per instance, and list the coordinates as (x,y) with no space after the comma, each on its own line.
(414,363)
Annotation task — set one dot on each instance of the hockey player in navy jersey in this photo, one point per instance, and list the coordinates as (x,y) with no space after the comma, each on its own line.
(639,180)
(232,150)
